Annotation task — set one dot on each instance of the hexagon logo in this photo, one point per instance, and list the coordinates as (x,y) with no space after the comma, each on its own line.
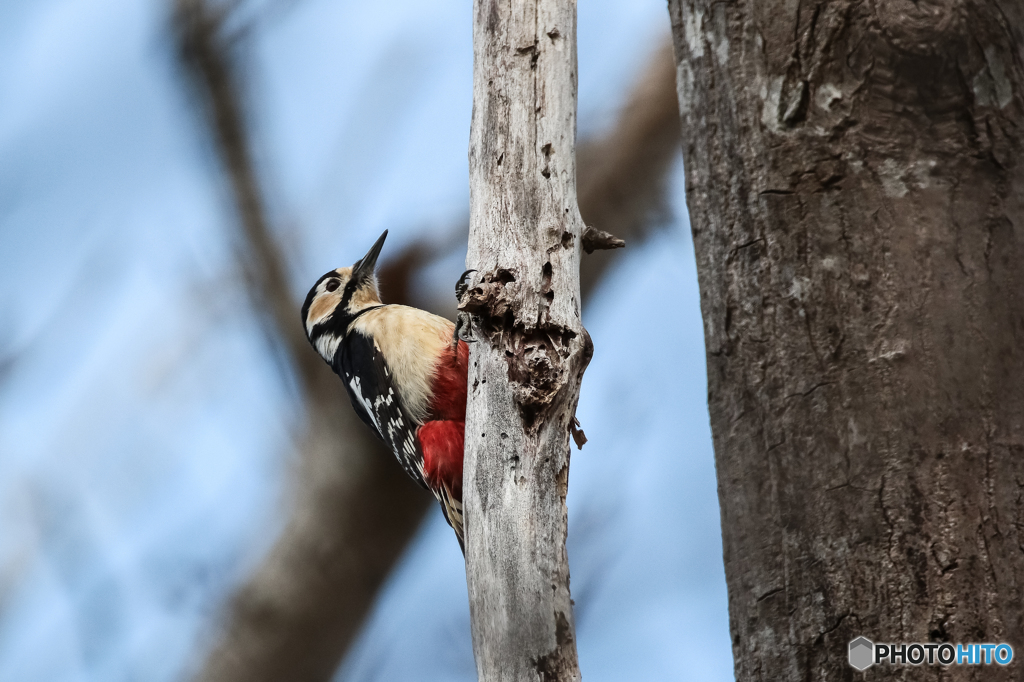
(862,653)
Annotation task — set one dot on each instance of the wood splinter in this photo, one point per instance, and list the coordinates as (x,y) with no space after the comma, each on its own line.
(578,436)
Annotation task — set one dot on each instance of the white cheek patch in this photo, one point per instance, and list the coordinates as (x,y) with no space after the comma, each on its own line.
(325,302)
(327,346)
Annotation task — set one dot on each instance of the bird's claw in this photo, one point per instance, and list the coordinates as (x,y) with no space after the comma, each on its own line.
(463,321)
(462,286)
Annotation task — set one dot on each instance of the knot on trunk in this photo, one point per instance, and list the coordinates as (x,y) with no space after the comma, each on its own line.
(539,353)
(922,27)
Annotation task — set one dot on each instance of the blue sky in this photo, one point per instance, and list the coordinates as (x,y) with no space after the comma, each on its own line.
(145,432)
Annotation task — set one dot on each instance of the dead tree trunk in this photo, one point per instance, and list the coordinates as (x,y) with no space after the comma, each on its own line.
(525,372)
(856,201)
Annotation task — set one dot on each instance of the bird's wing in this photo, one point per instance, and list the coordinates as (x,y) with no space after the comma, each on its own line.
(367,378)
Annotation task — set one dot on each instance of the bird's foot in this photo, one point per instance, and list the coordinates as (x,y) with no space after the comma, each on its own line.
(464,321)
(463,330)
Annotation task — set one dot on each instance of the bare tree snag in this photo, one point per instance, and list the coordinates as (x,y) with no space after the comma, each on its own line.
(525,371)
(855,190)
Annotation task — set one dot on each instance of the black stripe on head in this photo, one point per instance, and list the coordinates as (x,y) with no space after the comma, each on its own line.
(362,274)
(346,296)
(309,299)
(338,321)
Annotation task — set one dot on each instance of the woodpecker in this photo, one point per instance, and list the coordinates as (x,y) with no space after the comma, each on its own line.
(404,370)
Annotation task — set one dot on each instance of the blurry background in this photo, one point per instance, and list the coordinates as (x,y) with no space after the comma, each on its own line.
(165,486)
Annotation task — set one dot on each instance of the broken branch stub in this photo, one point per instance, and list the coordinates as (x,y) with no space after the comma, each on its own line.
(599,240)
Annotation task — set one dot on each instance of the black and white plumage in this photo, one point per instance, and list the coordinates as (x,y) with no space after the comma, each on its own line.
(367,378)
(405,377)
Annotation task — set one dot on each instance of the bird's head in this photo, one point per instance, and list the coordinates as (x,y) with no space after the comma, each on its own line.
(339,295)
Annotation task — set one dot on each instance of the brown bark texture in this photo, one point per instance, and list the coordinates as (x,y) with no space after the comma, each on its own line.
(856,203)
(525,370)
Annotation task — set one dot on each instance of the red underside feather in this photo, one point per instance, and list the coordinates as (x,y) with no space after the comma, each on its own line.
(449,387)
(442,455)
(441,437)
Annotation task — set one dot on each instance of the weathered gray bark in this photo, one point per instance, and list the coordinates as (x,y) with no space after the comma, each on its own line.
(526,369)
(855,193)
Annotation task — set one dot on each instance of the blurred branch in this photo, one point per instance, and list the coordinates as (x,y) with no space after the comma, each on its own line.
(8,360)
(622,176)
(10,355)
(353,510)
(260,257)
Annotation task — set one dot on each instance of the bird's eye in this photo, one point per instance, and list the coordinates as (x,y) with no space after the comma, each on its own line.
(332,285)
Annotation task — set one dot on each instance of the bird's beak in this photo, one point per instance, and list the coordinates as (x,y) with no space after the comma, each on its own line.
(363,268)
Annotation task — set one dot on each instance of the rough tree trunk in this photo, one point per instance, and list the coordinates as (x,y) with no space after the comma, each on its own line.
(855,197)
(526,369)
